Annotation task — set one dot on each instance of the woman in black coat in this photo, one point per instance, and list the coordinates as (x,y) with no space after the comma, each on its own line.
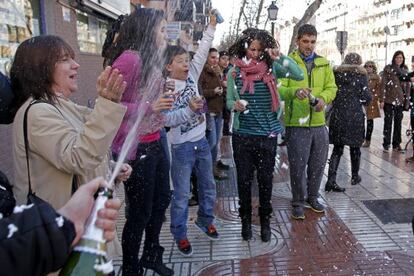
(347,122)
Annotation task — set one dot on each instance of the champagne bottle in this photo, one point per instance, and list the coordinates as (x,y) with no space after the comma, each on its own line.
(89,255)
(313,101)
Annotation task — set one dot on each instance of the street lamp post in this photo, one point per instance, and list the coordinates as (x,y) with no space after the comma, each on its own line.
(387,33)
(272,15)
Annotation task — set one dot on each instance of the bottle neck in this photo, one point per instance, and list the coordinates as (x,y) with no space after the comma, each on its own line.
(92,240)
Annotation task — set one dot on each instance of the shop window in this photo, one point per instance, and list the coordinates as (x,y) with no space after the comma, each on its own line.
(19,20)
(91,32)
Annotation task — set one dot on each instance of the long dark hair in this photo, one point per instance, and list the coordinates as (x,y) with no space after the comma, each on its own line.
(111,34)
(397,53)
(138,33)
(34,63)
(239,48)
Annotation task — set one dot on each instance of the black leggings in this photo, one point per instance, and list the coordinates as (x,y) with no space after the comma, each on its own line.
(370,129)
(148,193)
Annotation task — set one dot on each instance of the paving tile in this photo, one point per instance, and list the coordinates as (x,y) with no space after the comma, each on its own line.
(348,240)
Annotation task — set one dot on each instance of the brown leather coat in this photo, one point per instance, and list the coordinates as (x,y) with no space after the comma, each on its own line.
(374,85)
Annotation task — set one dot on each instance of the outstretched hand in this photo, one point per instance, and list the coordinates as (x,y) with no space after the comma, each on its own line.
(213,20)
(273,53)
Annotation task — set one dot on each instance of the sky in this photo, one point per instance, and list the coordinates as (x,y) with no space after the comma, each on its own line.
(227,7)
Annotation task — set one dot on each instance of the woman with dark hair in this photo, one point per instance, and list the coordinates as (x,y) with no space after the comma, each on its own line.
(252,94)
(372,110)
(346,125)
(67,144)
(394,90)
(137,53)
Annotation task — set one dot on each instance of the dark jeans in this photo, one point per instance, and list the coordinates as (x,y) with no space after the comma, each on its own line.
(395,113)
(148,194)
(370,129)
(250,153)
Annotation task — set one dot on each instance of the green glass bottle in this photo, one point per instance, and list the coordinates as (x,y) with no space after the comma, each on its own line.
(89,255)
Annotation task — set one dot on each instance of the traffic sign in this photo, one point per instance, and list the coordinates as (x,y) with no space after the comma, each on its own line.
(341,41)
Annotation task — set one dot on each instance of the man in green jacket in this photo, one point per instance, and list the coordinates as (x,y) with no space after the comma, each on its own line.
(306,133)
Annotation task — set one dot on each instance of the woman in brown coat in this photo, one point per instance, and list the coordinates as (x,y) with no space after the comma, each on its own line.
(372,110)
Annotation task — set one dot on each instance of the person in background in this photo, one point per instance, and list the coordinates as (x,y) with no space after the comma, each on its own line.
(252,94)
(372,110)
(211,85)
(6,95)
(394,90)
(224,63)
(306,133)
(346,125)
(43,236)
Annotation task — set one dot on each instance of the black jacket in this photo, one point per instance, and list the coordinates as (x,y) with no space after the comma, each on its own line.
(347,122)
(33,243)
(6,101)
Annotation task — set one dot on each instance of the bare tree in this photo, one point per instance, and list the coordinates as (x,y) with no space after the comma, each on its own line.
(250,14)
(244,2)
(259,12)
(309,13)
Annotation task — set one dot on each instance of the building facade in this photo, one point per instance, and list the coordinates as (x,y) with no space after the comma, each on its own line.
(376,28)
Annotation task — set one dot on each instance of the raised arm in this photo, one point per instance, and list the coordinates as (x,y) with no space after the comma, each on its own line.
(285,67)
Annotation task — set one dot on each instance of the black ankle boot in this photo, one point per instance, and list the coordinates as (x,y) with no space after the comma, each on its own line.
(265,232)
(152,259)
(334,187)
(356,179)
(246,232)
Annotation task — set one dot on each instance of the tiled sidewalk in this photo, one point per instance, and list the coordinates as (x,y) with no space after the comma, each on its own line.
(349,240)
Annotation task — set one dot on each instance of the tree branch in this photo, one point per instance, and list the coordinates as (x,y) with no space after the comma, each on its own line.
(259,12)
(309,13)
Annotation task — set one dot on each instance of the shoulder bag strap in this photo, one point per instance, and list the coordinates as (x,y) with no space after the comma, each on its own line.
(26,140)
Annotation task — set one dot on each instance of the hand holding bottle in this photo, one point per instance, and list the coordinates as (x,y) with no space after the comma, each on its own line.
(302,93)
(79,208)
(320,106)
(198,104)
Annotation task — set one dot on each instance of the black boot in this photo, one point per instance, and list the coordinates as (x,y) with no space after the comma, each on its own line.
(265,232)
(334,187)
(246,232)
(355,163)
(265,215)
(152,259)
(331,184)
(356,179)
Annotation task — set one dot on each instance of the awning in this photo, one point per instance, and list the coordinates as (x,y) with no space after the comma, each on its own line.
(109,8)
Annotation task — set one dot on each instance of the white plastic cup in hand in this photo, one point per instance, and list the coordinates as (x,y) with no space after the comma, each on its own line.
(244,103)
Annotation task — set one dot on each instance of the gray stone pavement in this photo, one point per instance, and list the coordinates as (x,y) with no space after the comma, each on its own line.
(384,176)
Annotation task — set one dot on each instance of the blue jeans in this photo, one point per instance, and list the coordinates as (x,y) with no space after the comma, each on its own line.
(185,156)
(214,132)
